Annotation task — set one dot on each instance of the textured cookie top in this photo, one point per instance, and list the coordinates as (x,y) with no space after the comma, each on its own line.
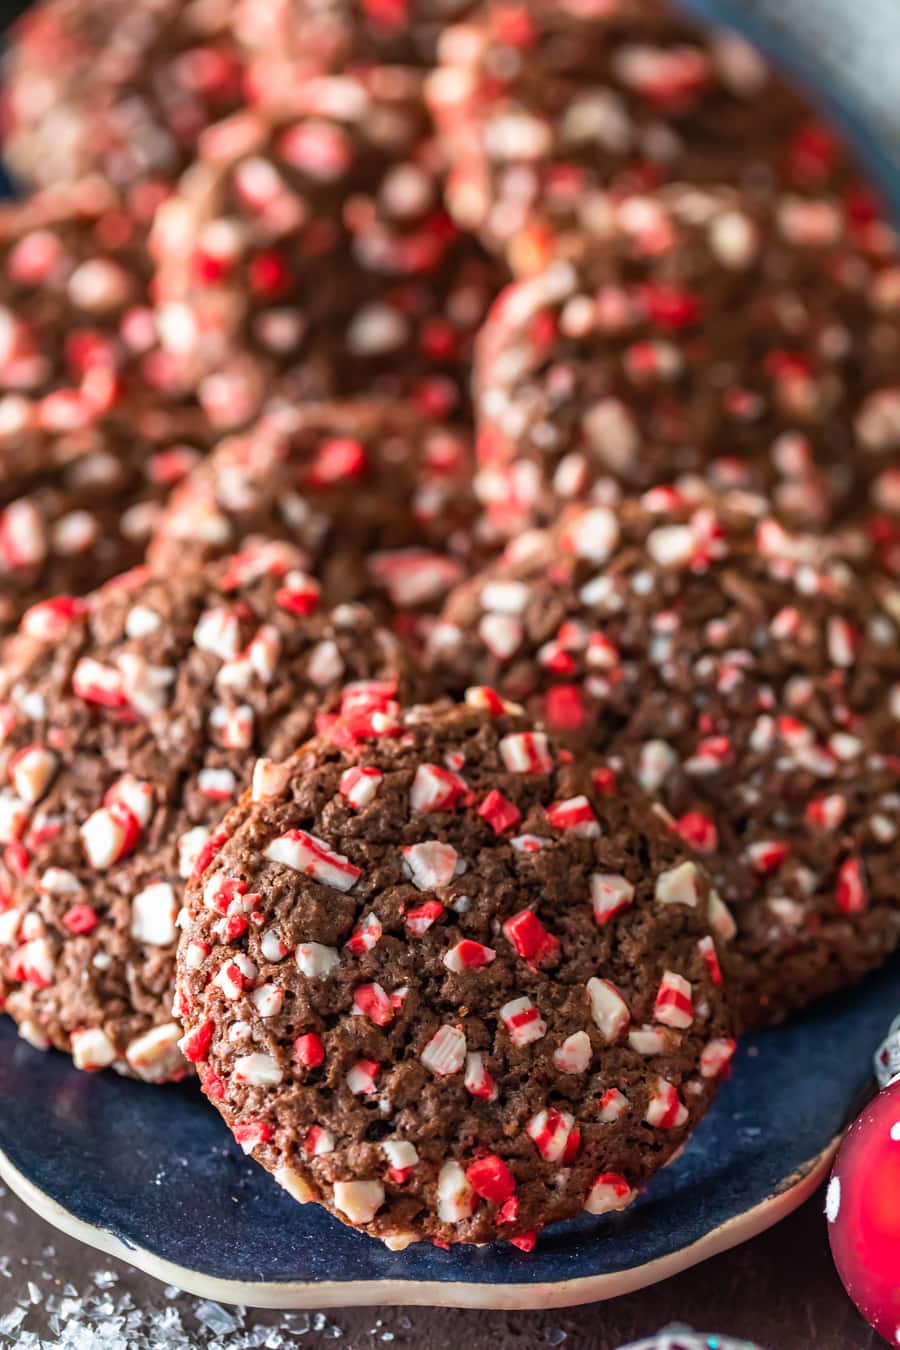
(120,89)
(75,323)
(125,90)
(703,331)
(314,246)
(750,679)
(129,722)
(379,500)
(548,104)
(93,428)
(87,511)
(450,984)
(336,34)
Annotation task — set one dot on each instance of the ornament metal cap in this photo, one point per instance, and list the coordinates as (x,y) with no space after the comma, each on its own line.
(887,1056)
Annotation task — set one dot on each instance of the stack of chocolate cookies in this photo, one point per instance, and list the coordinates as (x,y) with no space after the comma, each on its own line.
(449,582)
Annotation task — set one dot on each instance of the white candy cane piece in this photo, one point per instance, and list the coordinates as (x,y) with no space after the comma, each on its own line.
(613,1106)
(135,795)
(610,894)
(217,785)
(445,1053)
(721,918)
(435,788)
(678,886)
(155,1056)
(190,846)
(523,1021)
(153,914)
(430,864)
(526,752)
(400,1153)
(307,854)
(273,946)
(575,815)
(32,963)
(665,1110)
(267,1000)
(107,836)
(608,1009)
(359,785)
(716,1056)
(315,960)
(456,1198)
(650,1040)
(550,1130)
(257,1070)
(14,817)
(477,1080)
(31,771)
(575,1053)
(318,1142)
(268,779)
(674,1005)
(218,632)
(92,1049)
(359,1201)
(502,634)
(609,1192)
(290,1180)
(468,955)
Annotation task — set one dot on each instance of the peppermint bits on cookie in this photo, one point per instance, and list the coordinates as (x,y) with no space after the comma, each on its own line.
(475,1020)
(377,500)
(707,335)
(129,722)
(743,674)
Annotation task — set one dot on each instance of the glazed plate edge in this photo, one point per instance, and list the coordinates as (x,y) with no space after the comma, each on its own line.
(291,1295)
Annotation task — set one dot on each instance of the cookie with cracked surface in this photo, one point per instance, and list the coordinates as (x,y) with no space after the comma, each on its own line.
(310,252)
(547,105)
(378,499)
(128,723)
(93,432)
(749,679)
(337,34)
(753,344)
(77,330)
(476,993)
(104,86)
(88,512)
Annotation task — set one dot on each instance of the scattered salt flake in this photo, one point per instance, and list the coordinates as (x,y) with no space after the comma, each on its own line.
(215,1318)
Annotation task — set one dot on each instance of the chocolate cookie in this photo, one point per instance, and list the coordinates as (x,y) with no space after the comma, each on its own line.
(129,721)
(747,677)
(441,981)
(311,253)
(754,344)
(116,88)
(88,513)
(546,105)
(75,312)
(333,35)
(123,90)
(379,500)
(94,430)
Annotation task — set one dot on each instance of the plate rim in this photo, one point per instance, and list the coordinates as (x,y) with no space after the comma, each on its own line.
(292,1295)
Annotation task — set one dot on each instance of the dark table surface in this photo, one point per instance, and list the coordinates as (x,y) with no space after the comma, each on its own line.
(779,1290)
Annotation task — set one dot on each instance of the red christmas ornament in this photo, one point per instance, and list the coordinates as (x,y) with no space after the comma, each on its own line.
(863,1201)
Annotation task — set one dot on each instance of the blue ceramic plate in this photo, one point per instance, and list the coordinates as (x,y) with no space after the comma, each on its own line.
(150,1175)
